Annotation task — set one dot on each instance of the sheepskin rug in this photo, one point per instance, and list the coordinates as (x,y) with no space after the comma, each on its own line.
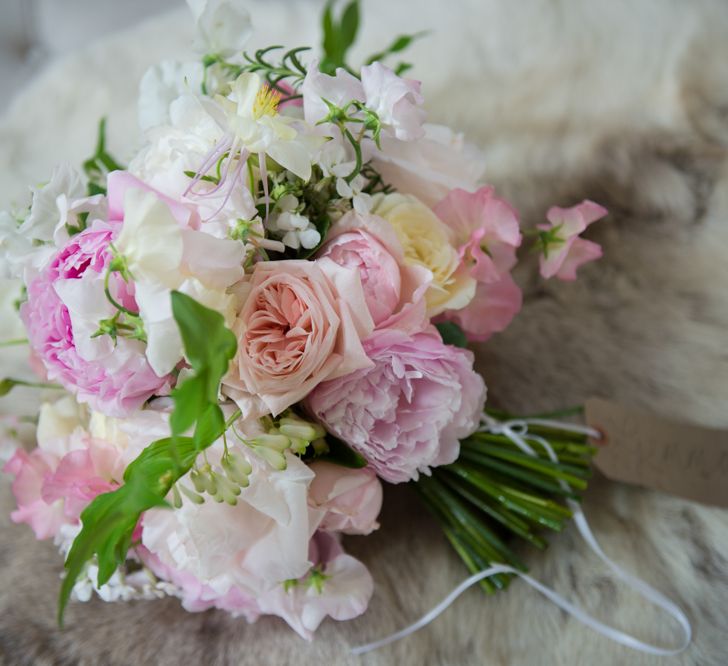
(624,102)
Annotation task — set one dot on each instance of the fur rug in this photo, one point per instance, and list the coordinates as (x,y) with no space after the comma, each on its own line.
(623,102)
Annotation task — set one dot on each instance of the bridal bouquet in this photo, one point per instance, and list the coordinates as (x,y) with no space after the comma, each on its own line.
(262,316)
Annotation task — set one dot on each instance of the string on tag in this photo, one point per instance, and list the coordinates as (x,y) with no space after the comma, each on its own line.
(517,431)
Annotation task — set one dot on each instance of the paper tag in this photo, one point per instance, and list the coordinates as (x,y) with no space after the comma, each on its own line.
(651,451)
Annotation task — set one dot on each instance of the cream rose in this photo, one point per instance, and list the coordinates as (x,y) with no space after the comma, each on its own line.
(427,242)
(302,323)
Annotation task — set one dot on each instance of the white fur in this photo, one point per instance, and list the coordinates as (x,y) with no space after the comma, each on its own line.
(623,102)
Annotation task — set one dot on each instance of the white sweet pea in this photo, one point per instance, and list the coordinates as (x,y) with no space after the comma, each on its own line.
(15,249)
(150,239)
(161,85)
(339,90)
(223,26)
(396,101)
(294,230)
(45,223)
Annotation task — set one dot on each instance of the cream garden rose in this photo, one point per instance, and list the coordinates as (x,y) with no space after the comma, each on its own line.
(427,242)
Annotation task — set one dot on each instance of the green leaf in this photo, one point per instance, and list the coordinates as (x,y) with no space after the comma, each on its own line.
(400,43)
(108,522)
(7,384)
(338,36)
(452,334)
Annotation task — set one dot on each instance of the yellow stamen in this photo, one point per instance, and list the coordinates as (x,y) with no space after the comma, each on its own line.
(266,102)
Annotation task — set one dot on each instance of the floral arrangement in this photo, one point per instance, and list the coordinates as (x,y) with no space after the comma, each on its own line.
(263,316)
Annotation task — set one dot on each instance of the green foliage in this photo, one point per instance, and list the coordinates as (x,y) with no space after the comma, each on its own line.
(100,163)
(338,36)
(399,44)
(495,491)
(7,384)
(452,334)
(108,522)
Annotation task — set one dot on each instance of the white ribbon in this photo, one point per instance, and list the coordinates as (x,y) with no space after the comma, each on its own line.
(517,431)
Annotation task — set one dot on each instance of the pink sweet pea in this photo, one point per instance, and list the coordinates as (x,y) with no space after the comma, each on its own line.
(352,498)
(563,250)
(408,412)
(487,234)
(396,101)
(56,481)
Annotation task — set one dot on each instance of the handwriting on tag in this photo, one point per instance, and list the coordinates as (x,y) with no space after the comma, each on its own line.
(651,451)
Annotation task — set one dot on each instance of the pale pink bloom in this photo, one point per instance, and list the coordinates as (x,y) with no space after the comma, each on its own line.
(491,311)
(394,289)
(339,90)
(408,412)
(64,306)
(431,166)
(57,480)
(562,258)
(302,323)
(487,234)
(254,545)
(397,101)
(352,498)
(29,470)
(343,594)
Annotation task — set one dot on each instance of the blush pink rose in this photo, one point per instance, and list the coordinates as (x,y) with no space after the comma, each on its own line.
(302,323)
(394,290)
(113,379)
(563,250)
(408,412)
(487,234)
(351,498)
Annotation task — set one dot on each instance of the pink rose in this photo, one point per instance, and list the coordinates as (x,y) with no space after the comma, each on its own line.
(302,323)
(394,290)
(65,304)
(487,233)
(563,250)
(351,498)
(409,411)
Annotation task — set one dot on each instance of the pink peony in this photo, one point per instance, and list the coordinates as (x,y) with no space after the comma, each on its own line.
(409,411)
(563,250)
(352,498)
(65,304)
(394,290)
(487,233)
(301,324)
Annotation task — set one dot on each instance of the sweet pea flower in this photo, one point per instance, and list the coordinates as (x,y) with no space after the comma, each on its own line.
(351,498)
(487,233)
(393,288)
(254,545)
(339,586)
(428,242)
(431,166)
(161,85)
(223,26)
(396,101)
(302,323)
(56,480)
(163,251)
(408,412)
(339,90)
(563,250)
